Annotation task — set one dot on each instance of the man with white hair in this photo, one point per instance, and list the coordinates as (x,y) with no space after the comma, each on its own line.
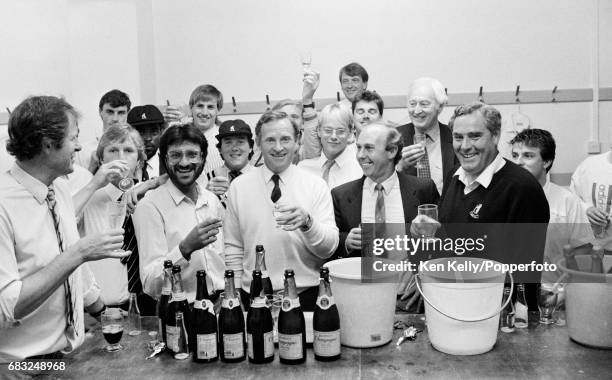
(436,159)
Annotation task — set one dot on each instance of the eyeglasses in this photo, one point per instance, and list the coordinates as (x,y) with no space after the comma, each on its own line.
(191,156)
(339,132)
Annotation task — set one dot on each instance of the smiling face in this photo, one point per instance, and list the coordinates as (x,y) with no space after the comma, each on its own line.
(113,115)
(530,158)
(352,86)
(235,151)
(375,160)
(474,145)
(278,144)
(423,108)
(204,113)
(334,138)
(184,163)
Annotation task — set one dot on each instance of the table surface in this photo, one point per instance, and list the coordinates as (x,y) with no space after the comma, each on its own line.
(536,352)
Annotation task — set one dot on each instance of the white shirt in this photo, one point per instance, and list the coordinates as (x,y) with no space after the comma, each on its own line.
(345,168)
(568,225)
(162,220)
(111,274)
(484,179)
(394,210)
(28,243)
(434,155)
(249,221)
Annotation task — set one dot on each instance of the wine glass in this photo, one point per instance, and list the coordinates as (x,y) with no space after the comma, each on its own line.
(126,183)
(116,215)
(306,60)
(112,328)
(430,210)
(547,302)
(277,213)
(420,138)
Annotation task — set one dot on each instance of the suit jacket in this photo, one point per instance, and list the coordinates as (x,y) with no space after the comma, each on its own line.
(449,160)
(347,204)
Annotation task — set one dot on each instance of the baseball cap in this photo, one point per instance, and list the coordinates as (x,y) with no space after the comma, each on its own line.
(234,128)
(142,115)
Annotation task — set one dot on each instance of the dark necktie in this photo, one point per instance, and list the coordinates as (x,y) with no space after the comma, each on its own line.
(70,319)
(145,172)
(131,244)
(233,174)
(379,211)
(276,191)
(423,170)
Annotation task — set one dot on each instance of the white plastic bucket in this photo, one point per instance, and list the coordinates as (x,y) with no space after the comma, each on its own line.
(461,307)
(366,309)
(588,303)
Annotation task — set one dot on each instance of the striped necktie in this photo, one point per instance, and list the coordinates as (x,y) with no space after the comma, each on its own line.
(423,170)
(379,211)
(70,301)
(131,244)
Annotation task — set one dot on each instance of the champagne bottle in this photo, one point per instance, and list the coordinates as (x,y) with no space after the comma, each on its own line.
(326,322)
(260,265)
(178,302)
(182,352)
(291,325)
(597,254)
(507,314)
(204,324)
(521,316)
(570,259)
(162,305)
(260,334)
(231,324)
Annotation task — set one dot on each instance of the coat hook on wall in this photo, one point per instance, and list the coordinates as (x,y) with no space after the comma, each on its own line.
(480,98)
(553,94)
(267,103)
(234,103)
(516,94)
(446,91)
(8,110)
(338,95)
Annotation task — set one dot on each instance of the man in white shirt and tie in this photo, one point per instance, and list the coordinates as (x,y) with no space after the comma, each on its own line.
(338,164)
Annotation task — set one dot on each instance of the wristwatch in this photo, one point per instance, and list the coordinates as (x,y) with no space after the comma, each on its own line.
(311,105)
(307,225)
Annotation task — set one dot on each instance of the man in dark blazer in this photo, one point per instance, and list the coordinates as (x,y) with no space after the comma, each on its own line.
(426,99)
(378,150)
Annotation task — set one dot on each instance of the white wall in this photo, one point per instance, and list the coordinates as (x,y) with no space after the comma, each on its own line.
(161,49)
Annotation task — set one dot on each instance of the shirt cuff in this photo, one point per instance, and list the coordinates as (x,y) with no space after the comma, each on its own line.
(8,300)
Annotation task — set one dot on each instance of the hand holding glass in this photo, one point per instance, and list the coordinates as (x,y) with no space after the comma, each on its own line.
(306,60)
(430,210)
(420,139)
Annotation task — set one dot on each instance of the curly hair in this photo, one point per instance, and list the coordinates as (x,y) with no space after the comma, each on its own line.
(538,138)
(35,119)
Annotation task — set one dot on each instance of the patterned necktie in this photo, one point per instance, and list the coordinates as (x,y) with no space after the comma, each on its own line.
(276,191)
(130,244)
(233,174)
(326,167)
(70,320)
(379,211)
(423,164)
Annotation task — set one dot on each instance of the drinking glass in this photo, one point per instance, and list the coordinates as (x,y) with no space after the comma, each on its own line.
(277,301)
(276,213)
(306,60)
(430,210)
(116,214)
(420,139)
(112,328)
(547,302)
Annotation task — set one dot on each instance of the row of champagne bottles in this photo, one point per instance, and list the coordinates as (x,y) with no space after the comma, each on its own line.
(597,255)
(206,338)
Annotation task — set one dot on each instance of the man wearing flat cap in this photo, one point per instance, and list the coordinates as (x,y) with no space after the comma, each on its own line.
(149,122)
(235,144)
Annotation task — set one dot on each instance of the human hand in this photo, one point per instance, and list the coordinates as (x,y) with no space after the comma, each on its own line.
(311,82)
(218,185)
(110,171)
(100,246)
(408,291)
(353,239)
(597,217)
(203,234)
(291,217)
(172,114)
(423,225)
(411,154)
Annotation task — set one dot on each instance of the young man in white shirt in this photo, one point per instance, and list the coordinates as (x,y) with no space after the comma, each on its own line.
(180,220)
(534,150)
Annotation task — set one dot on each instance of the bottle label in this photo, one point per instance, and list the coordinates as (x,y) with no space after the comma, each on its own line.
(172,337)
(259,302)
(326,343)
(264,274)
(230,303)
(325,302)
(290,346)
(205,305)
(176,297)
(268,341)
(206,346)
(233,345)
(290,303)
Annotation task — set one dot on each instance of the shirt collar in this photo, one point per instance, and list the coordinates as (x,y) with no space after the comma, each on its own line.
(178,196)
(284,176)
(485,178)
(244,170)
(388,184)
(38,189)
